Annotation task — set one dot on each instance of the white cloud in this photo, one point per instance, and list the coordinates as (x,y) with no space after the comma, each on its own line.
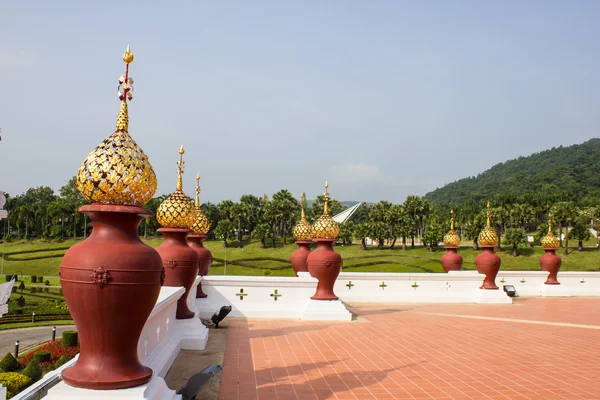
(359,172)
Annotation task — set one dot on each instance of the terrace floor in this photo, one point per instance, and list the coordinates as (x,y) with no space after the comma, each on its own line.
(537,348)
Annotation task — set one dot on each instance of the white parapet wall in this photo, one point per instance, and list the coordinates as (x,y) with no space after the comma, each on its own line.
(161,340)
(531,283)
(256,296)
(381,287)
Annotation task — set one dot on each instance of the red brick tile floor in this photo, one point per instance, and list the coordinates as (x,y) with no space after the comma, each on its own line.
(536,348)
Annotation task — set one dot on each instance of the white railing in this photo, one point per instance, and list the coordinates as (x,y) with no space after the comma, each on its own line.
(161,340)
(256,296)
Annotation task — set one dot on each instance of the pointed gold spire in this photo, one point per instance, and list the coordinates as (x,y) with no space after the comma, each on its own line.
(326,200)
(117,171)
(303,231)
(451,239)
(488,236)
(180,166)
(177,211)
(325,227)
(197,201)
(201,226)
(549,241)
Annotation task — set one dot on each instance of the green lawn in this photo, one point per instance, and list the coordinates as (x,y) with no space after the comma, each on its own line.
(252,260)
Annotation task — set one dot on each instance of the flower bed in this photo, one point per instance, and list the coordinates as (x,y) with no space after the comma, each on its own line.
(18,375)
(56,350)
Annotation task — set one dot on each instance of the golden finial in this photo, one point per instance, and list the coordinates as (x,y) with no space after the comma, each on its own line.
(197,203)
(451,239)
(549,241)
(488,236)
(325,227)
(117,171)
(303,204)
(128,56)
(180,166)
(326,199)
(303,231)
(177,211)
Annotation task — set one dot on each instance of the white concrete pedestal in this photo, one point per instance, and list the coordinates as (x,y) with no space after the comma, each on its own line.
(156,389)
(194,334)
(326,310)
(487,296)
(555,291)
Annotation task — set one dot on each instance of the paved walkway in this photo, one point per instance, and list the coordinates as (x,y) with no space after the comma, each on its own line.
(537,348)
(28,337)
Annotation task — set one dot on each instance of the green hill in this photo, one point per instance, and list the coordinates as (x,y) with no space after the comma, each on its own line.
(572,171)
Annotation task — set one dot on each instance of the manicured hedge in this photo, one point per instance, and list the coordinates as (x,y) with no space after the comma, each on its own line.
(41,356)
(32,371)
(9,363)
(70,338)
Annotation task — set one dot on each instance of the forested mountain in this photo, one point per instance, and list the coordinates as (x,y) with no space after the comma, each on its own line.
(571,172)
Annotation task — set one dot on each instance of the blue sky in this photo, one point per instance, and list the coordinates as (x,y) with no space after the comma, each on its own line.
(382,98)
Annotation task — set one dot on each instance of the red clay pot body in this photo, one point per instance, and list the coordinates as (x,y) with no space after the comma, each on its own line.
(110,272)
(325,265)
(488,263)
(196,243)
(181,265)
(451,260)
(298,257)
(550,262)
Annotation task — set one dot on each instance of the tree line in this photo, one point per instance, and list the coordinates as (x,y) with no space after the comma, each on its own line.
(41,213)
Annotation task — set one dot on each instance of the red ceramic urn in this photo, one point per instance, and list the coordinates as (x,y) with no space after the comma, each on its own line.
(451,260)
(325,265)
(298,257)
(196,242)
(109,272)
(550,262)
(488,263)
(181,265)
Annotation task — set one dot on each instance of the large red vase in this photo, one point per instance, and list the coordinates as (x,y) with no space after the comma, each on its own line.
(488,263)
(451,260)
(181,265)
(298,257)
(196,242)
(550,262)
(325,265)
(111,282)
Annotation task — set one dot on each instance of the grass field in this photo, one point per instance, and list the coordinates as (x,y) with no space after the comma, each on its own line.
(43,258)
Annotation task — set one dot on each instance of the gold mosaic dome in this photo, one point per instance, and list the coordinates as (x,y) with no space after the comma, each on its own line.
(117,171)
(549,241)
(451,239)
(201,224)
(488,236)
(325,227)
(303,231)
(177,211)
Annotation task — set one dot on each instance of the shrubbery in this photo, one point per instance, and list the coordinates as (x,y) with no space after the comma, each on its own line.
(13,382)
(32,371)
(9,363)
(61,361)
(69,338)
(41,356)
(40,279)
